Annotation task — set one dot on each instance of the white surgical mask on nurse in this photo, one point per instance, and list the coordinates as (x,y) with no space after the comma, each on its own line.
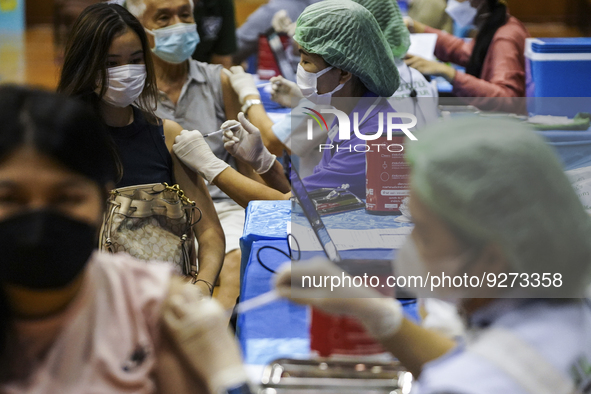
(308,84)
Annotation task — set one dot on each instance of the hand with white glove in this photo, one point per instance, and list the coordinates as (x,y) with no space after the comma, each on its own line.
(191,148)
(282,23)
(242,83)
(247,145)
(382,316)
(285,92)
(199,328)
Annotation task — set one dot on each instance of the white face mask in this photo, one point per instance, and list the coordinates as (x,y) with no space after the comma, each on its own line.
(462,13)
(126,83)
(308,84)
(408,262)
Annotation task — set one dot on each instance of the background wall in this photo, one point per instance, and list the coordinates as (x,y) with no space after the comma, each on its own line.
(540,10)
(39,11)
(570,12)
(244,8)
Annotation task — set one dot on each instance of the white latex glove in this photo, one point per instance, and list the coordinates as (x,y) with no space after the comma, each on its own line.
(246,144)
(382,316)
(281,22)
(242,83)
(285,92)
(199,328)
(191,148)
(291,30)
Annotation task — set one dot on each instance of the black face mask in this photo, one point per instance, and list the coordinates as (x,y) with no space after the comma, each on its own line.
(44,250)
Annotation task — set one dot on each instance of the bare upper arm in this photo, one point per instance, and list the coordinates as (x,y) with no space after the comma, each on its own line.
(171,130)
(189,181)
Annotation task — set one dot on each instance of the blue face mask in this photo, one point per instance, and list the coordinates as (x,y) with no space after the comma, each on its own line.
(176,43)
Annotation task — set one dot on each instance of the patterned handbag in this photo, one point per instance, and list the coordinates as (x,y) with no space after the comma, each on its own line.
(151,222)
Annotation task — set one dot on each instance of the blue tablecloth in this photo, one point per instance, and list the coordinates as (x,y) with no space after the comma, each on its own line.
(267,220)
(264,220)
(282,328)
(277,329)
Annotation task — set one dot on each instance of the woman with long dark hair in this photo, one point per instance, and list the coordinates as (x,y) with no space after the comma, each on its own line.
(73,320)
(494,60)
(108,64)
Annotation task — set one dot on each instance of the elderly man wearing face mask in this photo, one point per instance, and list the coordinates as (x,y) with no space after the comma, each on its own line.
(494,60)
(198,96)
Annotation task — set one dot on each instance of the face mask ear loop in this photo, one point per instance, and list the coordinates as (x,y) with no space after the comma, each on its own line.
(339,87)
(150,32)
(322,72)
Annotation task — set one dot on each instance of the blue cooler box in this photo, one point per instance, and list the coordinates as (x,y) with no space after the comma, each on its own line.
(558,67)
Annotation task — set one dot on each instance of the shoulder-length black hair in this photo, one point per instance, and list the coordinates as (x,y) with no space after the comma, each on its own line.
(65,129)
(85,61)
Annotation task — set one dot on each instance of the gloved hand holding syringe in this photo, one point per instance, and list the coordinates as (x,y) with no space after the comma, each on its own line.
(234,127)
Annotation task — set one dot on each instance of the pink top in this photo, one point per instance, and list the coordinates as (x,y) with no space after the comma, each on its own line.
(503,71)
(104,342)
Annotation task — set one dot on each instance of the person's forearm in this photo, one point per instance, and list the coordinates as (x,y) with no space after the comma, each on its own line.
(450,48)
(208,231)
(212,249)
(276,179)
(258,117)
(246,170)
(414,346)
(244,190)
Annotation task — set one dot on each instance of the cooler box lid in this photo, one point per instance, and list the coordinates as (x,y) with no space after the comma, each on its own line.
(561,45)
(578,48)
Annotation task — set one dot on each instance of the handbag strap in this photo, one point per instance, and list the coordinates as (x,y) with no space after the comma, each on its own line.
(522,362)
(107,243)
(155,188)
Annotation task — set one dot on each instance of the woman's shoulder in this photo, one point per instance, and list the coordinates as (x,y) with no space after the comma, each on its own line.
(513,30)
(171,130)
